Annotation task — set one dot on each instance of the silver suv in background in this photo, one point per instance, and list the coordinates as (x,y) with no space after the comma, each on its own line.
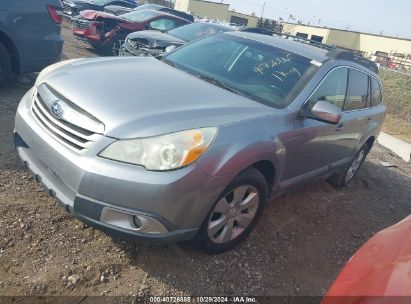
(193,145)
(30,36)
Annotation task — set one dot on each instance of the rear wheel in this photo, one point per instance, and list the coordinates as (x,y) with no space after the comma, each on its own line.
(235,213)
(345,177)
(5,63)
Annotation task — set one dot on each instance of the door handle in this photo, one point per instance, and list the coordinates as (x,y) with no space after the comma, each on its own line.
(340,127)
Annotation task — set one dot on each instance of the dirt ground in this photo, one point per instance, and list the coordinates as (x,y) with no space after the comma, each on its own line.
(298,247)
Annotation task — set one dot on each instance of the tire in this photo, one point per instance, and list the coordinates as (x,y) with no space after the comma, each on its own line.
(215,235)
(113,48)
(5,64)
(344,178)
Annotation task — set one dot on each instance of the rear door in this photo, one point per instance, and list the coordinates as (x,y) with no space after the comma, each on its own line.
(356,114)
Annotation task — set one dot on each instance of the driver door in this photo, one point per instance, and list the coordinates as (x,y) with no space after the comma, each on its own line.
(315,147)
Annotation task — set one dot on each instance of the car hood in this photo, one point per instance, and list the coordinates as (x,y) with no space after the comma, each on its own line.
(83,3)
(141,96)
(155,38)
(97,15)
(117,10)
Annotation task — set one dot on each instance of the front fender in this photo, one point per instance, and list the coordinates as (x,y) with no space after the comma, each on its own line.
(239,146)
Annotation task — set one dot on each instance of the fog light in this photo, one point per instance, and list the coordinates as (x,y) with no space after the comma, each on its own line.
(134,222)
(137,221)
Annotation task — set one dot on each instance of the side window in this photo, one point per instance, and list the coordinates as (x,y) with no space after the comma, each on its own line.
(376,96)
(332,89)
(163,24)
(357,92)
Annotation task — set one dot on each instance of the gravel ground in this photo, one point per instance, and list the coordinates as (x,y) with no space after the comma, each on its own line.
(299,246)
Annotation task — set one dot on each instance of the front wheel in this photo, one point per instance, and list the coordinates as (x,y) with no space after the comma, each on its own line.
(113,48)
(235,212)
(345,177)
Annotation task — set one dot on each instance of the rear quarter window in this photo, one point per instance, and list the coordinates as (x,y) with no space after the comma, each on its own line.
(376,94)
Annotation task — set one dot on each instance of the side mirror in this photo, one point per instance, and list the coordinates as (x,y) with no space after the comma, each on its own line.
(170,48)
(324,111)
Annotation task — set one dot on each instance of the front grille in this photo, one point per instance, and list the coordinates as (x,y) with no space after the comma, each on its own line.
(80,23)
(76,138)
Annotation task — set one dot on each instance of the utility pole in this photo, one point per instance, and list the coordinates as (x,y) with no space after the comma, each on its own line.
(262,12)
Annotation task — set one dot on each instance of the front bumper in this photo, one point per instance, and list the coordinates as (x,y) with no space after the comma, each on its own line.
(127,50)
(89,210)
(86,184)
(93,40)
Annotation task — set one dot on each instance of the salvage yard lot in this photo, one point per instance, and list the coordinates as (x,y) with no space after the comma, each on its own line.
(298,247)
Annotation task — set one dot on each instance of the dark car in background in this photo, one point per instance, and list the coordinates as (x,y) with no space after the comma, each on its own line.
(74,7)
(119,10)
(29,35)
(154,43)
(108,32)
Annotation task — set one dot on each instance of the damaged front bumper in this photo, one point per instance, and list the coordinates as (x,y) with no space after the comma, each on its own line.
(140,50)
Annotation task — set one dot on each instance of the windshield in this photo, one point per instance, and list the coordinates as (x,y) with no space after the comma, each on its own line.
(258,71)
(197,30)
(140,16)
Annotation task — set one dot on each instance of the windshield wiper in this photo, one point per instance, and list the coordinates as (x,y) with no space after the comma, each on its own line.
(218,83)
(226,86)
(170,63)
(212,80)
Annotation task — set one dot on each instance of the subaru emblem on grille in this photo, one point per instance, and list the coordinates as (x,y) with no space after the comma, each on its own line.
(57,110)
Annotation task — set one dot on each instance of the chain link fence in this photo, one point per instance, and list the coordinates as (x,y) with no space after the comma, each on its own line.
(397,97)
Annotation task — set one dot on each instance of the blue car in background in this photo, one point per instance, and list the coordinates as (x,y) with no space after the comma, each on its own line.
(30,36)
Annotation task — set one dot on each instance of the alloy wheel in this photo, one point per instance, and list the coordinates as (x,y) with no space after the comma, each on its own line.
(355,166)
(233,214)
(117,46)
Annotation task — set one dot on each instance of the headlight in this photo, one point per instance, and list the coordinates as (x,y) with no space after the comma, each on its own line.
(161,153)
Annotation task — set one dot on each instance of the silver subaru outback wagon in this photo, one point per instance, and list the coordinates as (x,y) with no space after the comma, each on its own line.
(193,145)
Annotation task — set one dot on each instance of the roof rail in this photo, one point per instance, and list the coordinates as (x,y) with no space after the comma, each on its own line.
(306,40)
(335,52)
(351,56)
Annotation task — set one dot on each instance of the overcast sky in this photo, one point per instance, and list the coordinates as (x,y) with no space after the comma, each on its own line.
(392,17)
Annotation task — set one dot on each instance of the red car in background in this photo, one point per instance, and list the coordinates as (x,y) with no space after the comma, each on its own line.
(108,32)
(379,272)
